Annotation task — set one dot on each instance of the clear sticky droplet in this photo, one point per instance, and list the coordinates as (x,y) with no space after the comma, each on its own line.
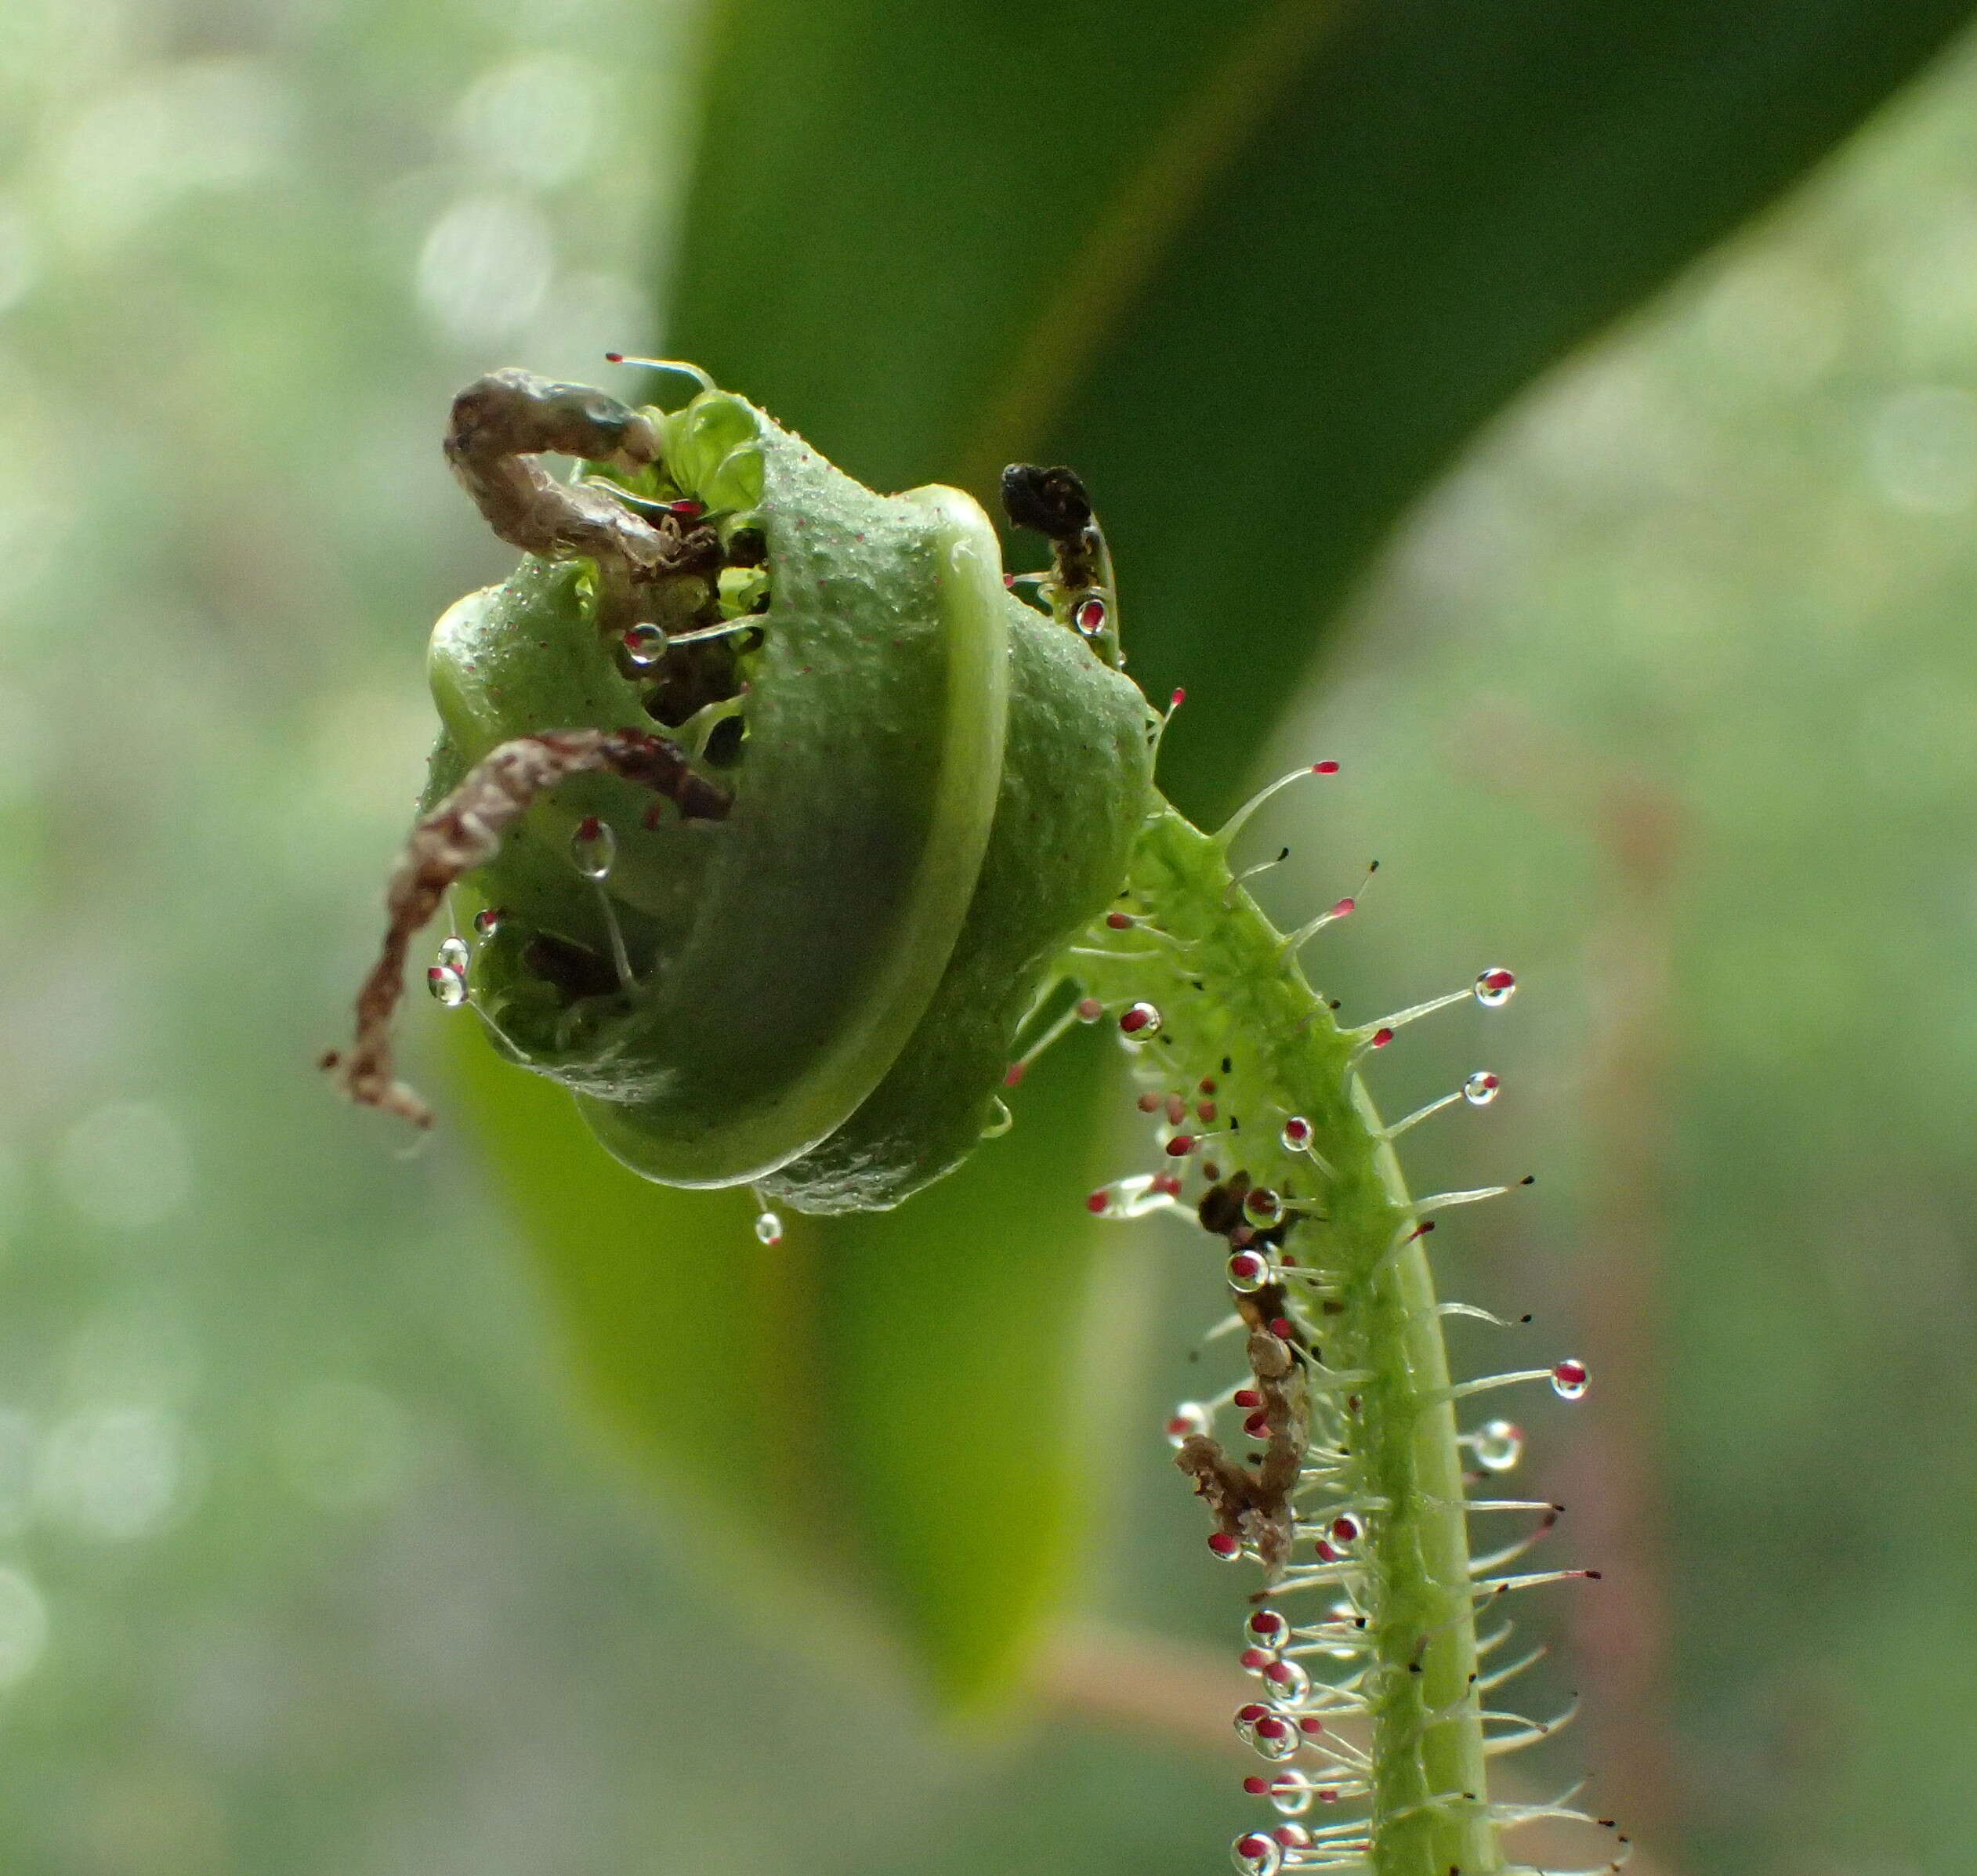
(1249,1271)
(455,956)
(447,986)
(1089,1009)
(1090,616)
(1288,1681)
(1188,1420)
(486,921)
(769,1228)
(1291,1794)
(1480,1089)
(1141,1019)
(1262,1207)
(594,848)
(1569,1379)
(1495,986)
(1296,1134)
(1000,1120)
(1268,1627)
(1255,1854)
(645,645)
(1498,1445)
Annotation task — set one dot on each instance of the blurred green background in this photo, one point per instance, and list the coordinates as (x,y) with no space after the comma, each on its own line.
(309,1561)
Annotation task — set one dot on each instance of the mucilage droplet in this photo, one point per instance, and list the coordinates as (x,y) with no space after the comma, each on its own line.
(1569,1379)
(1498,1445)
(1480,1089)
(593,848)
(447,986)
(1495,987)
(1188,1421)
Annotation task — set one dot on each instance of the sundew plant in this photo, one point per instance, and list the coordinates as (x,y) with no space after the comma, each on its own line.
(778,824)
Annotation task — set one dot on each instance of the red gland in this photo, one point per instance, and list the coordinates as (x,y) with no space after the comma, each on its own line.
(1179,697)
(1167,1183)
(1324,768)
(1150,1102)
(1499,980)
(1121,921)
(1098,1202)
(1204,1111)
(1348,1529)
(1256,1787)
(1311,1724)
(1013,1074)
(1381,1038)
(1248,1397)
(1255,1658)
(1224,1545)
(1283,1329)
(1180,1146)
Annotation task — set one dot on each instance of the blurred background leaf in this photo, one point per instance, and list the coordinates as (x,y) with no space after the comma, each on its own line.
(1663,694)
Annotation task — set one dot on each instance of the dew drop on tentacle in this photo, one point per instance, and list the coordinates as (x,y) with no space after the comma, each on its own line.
(1266,1730)
(645,645)
(1089,616)
(1288,1681)
(1569,1379)
(1267,1629)
(486,921)
(447,986)
(1089,1009)
(1141,1019)
(769,1227)
(1291,1793)
(1255,1854)
(1189,1420)
(1480,1089)
(1225,1548)
(1249,1271)
(1262,1207)
(1498,1445)
(1296,1134)
(593,848)
(455,956)
(1495,987)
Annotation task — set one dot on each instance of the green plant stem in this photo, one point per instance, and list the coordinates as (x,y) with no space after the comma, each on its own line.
(1237,1011)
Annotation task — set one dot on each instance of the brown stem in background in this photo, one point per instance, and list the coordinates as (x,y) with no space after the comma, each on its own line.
(1612,1472)
(1616,1486)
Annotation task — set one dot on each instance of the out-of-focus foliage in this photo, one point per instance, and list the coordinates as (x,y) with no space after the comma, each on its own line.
(306,1566)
